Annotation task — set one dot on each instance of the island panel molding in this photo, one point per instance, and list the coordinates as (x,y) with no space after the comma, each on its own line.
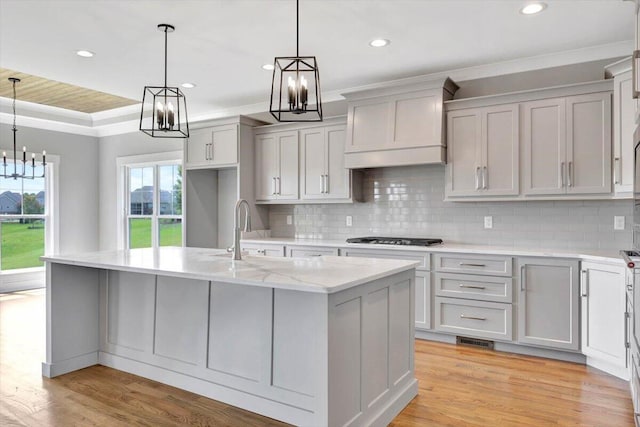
(341,356)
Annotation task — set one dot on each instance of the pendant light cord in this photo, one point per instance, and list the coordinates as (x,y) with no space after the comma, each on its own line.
(165,56)
(297,28)
(14,107)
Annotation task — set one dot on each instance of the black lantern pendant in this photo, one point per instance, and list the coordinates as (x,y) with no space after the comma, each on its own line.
(15,174)
(168,104)
(295,88)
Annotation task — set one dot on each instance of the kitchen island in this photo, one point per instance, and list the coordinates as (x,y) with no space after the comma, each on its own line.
(316,341)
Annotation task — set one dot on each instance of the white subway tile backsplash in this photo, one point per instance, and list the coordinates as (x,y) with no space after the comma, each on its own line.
(408,201)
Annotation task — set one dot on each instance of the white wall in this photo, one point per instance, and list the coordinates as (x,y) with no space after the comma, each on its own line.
(110,148)
(77,180)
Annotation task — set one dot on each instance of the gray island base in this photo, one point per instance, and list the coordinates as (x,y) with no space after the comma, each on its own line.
(324,341)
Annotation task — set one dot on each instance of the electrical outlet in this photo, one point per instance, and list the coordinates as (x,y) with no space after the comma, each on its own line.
(349,221)
(488,222)
(289,220)
(618,222)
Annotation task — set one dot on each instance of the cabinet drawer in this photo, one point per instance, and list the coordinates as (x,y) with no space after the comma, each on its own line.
(423,258)
(264,250)
(479,264)
(474,318)
(484,288)
(309,251)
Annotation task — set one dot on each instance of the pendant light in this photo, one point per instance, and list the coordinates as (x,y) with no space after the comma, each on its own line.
(168,105)
(23,174)
(295,88)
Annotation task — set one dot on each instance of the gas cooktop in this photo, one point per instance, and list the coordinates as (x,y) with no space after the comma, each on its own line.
(405,241)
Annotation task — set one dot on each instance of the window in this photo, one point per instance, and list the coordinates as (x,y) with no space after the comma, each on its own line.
(24,217)
(153,204)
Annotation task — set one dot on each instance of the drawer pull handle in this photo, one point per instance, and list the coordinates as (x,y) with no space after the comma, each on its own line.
(462,285)
(467,264)
(462,316)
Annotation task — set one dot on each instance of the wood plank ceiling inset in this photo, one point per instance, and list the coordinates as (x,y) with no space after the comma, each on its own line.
(56,94)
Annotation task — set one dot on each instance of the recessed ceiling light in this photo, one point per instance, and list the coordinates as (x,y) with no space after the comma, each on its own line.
(84,53)
(533,8)
(379,42)
(267,67)
(188,85)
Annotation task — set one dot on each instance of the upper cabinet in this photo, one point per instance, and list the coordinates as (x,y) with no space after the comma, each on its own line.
(483,151)
(567,145)
(304,164)
(277,166)
(322,171)
(397,125)
(215,146)
(624,107)
(541,144)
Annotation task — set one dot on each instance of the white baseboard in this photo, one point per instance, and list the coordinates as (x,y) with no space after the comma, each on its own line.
(62,367)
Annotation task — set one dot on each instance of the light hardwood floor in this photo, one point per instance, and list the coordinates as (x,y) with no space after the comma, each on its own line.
(459,386)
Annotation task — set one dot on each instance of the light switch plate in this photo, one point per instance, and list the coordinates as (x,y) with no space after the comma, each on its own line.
(289,220)
(349,221)
(488,222)
(618,222)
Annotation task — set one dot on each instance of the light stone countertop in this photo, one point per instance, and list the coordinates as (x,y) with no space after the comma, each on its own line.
(324,274)
(608,256)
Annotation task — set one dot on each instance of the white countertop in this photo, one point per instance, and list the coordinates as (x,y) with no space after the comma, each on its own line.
(609,256)
(325,274)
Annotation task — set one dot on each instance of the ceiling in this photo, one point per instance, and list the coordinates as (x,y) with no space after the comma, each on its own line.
(220,45)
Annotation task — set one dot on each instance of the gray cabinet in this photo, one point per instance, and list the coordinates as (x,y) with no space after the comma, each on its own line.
(483,152)
(276,166)
(423,300)
(263,249)
(567,145)
(323,175)
(548,303)
(216,146)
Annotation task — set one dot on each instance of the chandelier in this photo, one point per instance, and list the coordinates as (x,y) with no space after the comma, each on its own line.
(295,87)
(23,174)
(168,105)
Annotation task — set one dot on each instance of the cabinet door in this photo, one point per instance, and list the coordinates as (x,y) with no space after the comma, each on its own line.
(224,145)
(589,143)
(423,300)
(548,303)
(287,178)
(198,147)
(266,166)
(313,163)
(603,310)
(623,126)
(337,182)
(544,144)
(464,134)
(500,150)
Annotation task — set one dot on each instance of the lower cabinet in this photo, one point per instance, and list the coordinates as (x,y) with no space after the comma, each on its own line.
(604,319)
(483,319)
(263,249)
(548,303)
(309,251)
(423,300)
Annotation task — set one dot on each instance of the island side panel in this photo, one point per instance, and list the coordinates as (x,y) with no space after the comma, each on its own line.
(371,365)
(72,304)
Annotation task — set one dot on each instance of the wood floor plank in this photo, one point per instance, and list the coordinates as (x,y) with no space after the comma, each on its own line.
(458,386)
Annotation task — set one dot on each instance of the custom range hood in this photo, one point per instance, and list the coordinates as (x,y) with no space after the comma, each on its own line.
(397,124)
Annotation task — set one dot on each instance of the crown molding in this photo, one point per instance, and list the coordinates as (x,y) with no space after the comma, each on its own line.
(126,119)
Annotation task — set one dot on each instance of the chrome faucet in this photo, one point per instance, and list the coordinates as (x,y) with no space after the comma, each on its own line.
(236,226)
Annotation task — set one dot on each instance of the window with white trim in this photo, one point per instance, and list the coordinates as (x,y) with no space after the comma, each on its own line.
(153,204)
(25,219)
